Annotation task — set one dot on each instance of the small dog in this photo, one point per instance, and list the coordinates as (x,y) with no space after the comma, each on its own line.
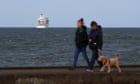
(110,62)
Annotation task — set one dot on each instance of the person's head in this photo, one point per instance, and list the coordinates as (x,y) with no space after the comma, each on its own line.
(94,25)
(82,21)
(79,24)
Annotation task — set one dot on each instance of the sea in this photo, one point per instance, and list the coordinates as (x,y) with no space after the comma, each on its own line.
(55,46)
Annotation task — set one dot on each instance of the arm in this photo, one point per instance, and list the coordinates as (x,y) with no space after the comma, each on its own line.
(76,38)
(100,40)
(86,37)
(90,36)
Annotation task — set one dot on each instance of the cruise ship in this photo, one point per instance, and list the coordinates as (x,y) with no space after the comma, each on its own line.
(42,22)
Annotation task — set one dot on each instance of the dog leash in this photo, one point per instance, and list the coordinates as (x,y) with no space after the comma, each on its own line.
(100,53)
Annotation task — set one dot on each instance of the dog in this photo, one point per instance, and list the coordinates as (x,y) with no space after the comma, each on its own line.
(109,63)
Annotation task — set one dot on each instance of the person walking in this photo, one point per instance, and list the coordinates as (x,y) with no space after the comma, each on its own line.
(81,42)
(95,44)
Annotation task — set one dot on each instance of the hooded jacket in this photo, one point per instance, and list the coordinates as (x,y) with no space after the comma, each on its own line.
(96,37)
(81,38)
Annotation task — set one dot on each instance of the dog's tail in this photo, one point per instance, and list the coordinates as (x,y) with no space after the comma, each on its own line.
(117,55)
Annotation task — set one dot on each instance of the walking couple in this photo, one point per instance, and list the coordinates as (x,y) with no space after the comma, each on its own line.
(82,40)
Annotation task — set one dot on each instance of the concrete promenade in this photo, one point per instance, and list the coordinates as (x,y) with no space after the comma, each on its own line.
(63,75)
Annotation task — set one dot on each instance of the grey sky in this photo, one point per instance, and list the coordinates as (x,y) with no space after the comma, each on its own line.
(64,13)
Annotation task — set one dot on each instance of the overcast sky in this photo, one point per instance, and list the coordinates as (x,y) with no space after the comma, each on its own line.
(64,13)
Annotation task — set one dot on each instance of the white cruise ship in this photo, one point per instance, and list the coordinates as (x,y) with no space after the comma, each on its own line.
(42,22)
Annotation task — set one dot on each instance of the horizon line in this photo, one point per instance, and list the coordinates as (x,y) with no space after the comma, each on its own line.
(61,27)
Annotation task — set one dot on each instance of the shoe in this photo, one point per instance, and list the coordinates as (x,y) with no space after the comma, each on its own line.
(89,70)
(71,68)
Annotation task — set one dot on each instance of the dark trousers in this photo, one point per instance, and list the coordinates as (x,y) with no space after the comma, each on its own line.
(76,54)
(94,58)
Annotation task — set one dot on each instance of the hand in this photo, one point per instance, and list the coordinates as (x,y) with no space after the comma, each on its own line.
(90,40)
(99,50)
(94,43)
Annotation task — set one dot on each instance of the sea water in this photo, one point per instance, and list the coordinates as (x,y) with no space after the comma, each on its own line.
(55,46)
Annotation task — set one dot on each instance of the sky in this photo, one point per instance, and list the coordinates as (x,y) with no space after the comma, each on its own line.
(65,13)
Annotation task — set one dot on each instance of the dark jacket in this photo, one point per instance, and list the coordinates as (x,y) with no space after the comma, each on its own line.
(101,32)
(97,39)
(84,27)
(81,38)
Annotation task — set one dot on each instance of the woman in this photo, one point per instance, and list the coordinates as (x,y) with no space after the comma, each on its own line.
(95,43)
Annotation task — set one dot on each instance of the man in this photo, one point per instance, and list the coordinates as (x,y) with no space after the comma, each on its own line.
(95,43)
(81,42)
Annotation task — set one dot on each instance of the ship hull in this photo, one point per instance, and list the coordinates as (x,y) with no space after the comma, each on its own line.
(41,27)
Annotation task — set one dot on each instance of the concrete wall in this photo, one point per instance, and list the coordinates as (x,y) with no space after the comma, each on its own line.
(64,75)
(78,78)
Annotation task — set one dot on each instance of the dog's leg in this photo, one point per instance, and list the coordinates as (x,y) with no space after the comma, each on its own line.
(109,68)
(118,67)
(102,69)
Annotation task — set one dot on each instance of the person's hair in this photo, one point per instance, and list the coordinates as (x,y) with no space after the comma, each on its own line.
(100,27)
(93,23)
(82,20)
(79,21)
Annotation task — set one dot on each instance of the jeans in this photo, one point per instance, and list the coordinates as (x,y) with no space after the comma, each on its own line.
(76,54)
(94,57)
